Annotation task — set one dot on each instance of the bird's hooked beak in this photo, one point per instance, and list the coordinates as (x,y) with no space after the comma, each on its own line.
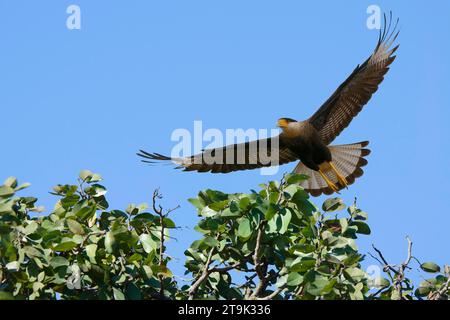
(283,123)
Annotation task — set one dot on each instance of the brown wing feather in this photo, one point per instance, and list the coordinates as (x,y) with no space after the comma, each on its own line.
(348,100)
(242,156)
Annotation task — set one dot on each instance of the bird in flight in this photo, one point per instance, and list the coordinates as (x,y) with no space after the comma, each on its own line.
(330,167)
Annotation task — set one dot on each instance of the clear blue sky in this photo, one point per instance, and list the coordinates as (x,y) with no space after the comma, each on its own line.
(137,70)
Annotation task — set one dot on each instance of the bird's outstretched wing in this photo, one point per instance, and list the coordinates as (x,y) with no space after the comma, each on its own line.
(235,157)
(348,100)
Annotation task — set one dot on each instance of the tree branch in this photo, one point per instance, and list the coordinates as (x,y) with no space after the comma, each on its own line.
(385,264)
(273,294)
(442,291)
(260,267)
(206,272)
(399,272)
(159,211)
(235,265)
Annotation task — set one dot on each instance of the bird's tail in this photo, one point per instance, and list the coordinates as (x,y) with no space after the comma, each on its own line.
(346,159)
(152,157)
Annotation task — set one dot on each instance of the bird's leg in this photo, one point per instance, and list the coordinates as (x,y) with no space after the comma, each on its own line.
(340,177)
(329,183)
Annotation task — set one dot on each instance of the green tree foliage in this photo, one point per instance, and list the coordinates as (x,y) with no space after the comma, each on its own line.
(268,244)
(81,250)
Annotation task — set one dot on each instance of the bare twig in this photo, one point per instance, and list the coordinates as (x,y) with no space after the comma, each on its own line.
(273,294)
(260,267)
(80,190)
(379,291)
(441,292)
(206,272)
(385,264)
(399,271)
(235,265)
(248,282)
(162,215)
(408,258)
(300,290)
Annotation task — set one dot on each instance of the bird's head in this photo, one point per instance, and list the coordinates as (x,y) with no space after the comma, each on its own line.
(283,123)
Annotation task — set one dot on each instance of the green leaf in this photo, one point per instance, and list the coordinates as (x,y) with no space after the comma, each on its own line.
(70,200)
(132,209)
(101,203)
(244,203)
(214,195)
(96,190)
(344,224)
(134,257)
(305,207)
(91,251)
(217,206)
(148,243)
(380,282)
(422,291)
(96,178)
(143,216)
(208,212)
(110,242)
(168,223)
(355,274)
(13,266)
(329,286)
(162,271)
(198,203)
(363,228)
(234,206)
(273,197)
(6,295)
(295,178)
(302,264)
(285,220)
(194,254)
(6,191)
(270,212)
(118,294)
(65,246)
(294,279)
(58,261)
(31,228)
(395,295)
(280,222)
(83,212)
(356,213)
(75,227)
(244,230)
(430,267)
(316,283)
(11,182)
(85,175)
(333,204)
(303,247)
(211,242)
(227,213)
(291,190)
(6,208)
(22,186)
(132,292)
